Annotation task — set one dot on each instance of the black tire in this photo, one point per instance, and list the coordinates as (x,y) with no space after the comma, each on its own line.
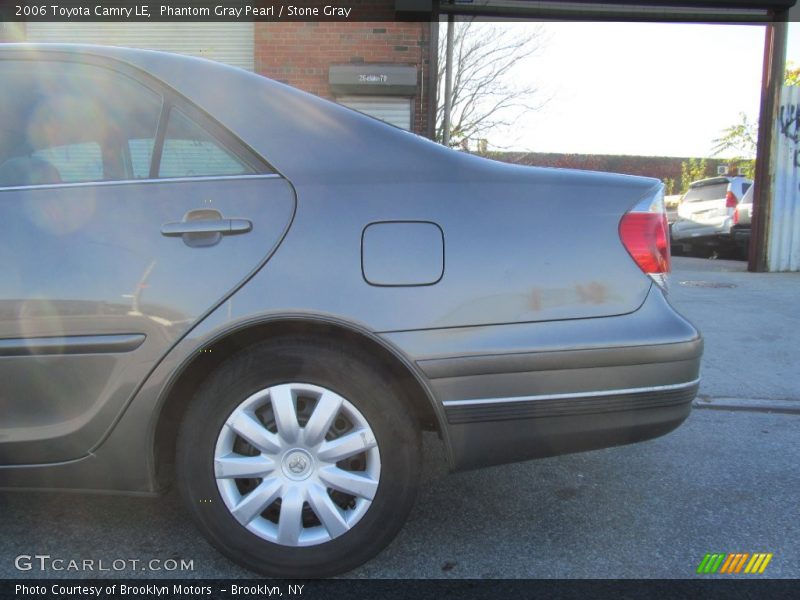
(354,375)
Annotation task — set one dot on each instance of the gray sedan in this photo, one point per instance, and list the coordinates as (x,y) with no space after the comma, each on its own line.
(217,280)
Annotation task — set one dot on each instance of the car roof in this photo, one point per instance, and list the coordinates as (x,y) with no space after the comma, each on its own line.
(717,180)
(310,139)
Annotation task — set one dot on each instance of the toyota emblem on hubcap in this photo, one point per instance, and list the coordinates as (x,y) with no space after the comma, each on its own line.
(297,464)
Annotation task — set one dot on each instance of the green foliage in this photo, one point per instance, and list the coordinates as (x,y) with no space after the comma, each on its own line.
(792,74)
(692,170)
(669,186)
(740,138)
(747,166)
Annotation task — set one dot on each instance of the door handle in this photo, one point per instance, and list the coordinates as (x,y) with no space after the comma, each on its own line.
(223,226)
(205,227)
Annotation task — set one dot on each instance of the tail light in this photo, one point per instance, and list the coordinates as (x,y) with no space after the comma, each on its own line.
(736,216)
(730,200)
(644,232)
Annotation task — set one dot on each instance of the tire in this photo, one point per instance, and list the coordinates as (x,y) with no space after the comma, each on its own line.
(243,414)
(728,250)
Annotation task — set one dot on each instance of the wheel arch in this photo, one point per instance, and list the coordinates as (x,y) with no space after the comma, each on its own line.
(178,393)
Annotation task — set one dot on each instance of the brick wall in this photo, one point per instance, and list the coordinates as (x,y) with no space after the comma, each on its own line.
(660,167)
(301,53)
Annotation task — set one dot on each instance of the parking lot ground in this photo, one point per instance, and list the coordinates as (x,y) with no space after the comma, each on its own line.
(726,481)
(751,326)
(723,482)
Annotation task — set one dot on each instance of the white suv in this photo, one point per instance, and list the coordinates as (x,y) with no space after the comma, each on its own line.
(707,213)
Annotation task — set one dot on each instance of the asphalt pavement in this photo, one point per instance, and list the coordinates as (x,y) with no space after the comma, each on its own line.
(726,481)
(751,326)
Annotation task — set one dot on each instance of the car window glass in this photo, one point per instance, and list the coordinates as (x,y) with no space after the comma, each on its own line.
(714,191)
(75,162)
(745,187)
(141,152)
(67,122)
(190,151)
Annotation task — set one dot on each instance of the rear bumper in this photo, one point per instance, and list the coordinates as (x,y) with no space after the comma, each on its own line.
(691,231)
(510,432)
(740,234)
(585,384)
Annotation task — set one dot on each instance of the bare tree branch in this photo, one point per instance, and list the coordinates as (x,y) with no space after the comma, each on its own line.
(485,95)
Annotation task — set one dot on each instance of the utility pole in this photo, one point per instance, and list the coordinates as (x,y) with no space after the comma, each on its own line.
(448,81)
(771,83)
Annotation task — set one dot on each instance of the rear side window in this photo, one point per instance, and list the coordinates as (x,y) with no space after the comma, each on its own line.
(82,161)
(190,151)
(714,191)
(141,156)
(67,122)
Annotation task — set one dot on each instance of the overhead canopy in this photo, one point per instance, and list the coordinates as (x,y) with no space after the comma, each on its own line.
(720,11)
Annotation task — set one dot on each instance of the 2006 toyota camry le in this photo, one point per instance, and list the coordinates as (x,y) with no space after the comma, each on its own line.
(214,279)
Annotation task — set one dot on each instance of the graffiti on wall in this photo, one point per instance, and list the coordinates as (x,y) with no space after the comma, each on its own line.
(789,125)
(783,233)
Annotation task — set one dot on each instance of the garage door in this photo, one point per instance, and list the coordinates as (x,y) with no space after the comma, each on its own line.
(396,111)
(230,43)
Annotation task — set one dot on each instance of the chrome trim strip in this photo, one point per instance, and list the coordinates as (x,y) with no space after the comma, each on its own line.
(73,344)
(46,186)
(655,388)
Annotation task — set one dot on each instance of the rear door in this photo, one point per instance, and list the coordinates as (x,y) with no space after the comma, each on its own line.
(125,216)
(703,206)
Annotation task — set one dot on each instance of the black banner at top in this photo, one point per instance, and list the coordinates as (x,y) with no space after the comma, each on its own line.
(202,10)
(388,10)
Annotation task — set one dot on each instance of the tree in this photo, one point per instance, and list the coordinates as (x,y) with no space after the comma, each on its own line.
(485,94)
(741,139)
(692,170)
(792,74)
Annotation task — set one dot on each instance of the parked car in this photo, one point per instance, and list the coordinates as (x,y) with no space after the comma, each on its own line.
(740,232)
(214,279)
(707,213)
(671,203)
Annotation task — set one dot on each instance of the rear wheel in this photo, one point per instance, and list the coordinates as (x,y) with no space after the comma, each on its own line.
(298,459)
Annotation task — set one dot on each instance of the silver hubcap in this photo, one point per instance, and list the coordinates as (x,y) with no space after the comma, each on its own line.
(297,464)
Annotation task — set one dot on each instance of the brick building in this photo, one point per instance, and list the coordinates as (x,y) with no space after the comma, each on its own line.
(354,63)
(660,167)
(380,68)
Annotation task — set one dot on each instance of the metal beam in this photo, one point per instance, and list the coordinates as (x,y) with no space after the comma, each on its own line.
(433,76)
(448,82)
(669,11)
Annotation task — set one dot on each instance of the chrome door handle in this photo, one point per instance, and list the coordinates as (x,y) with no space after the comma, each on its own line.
(223,226)
(203,227)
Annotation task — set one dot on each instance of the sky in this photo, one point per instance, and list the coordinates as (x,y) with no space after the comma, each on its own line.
(640,88)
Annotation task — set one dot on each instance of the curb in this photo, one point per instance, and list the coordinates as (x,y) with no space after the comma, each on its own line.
(790,407)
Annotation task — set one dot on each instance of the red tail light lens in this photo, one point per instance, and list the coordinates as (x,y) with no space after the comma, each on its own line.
(645,237)
(736,216)
(730,200)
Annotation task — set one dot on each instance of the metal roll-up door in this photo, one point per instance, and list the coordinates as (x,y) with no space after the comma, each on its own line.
(230,43)
(392,109)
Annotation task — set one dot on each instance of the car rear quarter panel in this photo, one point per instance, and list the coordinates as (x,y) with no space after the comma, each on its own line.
(521,244)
